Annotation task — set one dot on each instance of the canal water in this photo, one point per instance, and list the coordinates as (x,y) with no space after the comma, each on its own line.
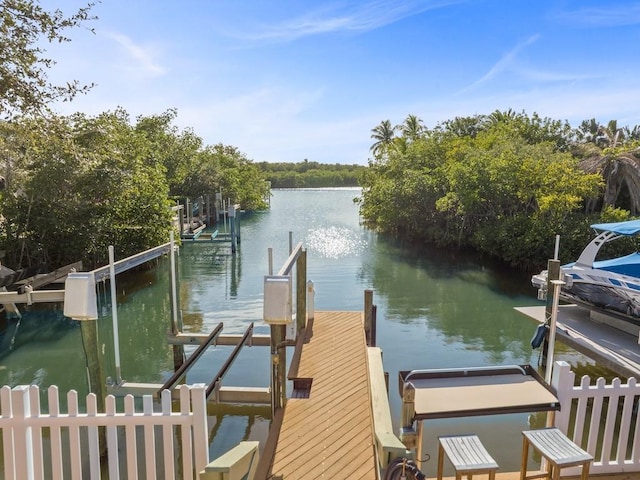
(435,309)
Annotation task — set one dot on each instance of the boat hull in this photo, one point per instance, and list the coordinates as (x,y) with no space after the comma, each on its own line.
(599,290)
(611,285)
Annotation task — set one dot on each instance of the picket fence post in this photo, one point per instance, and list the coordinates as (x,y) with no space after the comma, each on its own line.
(562,382)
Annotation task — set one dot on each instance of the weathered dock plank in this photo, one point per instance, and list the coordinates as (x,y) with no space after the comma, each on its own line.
(330,433)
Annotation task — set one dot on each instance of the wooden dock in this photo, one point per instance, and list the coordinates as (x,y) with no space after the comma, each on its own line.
(611,347)
(327,431)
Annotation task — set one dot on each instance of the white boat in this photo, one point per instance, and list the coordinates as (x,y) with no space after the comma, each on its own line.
(612,285)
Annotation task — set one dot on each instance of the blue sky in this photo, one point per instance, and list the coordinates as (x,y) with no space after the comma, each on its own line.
(286,80)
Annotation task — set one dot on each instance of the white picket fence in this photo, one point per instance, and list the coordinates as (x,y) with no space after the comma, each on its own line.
(602,418)
(140,444)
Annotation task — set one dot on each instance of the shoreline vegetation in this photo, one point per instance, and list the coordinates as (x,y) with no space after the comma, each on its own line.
(308,174)
(503,185)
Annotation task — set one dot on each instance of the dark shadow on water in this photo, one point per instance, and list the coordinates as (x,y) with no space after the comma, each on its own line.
(39,323)
(450,262)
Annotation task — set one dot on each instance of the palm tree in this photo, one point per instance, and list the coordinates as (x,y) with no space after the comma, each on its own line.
(591,131)
(383,135)
(502,117)
(611,134)
(631,134)
(412,128)
(588,131)
(465,126)
(619,169)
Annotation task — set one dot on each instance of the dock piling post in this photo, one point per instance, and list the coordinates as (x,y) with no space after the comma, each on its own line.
(114,314)
(301,291)
(80,303)
(552,329)
(368,315)
(310,300)
(238,215)
(89,331)
(553,273)
(176,326)
(278,368)
(232,226)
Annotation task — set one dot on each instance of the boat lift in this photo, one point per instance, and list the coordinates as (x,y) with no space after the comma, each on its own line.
(214,391)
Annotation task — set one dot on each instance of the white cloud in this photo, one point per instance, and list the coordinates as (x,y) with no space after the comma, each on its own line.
(609,15)
(346,17)
(503,64)
(141,59)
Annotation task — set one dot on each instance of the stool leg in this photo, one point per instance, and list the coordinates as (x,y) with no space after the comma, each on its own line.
(492,475)
(440,461)
(525,457)
(585,471)
(556,472)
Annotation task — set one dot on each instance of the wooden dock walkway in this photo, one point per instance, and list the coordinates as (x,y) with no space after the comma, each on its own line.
(327,431)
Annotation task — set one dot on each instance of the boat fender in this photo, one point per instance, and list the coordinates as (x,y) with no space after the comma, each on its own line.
(539,334)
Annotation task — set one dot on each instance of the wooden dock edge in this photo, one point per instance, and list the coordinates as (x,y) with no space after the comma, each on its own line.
(238,463)
(265,462)
(388,446)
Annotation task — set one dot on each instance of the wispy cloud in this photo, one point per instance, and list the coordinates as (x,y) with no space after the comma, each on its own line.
(142,57)
(546,76)
(609,15)
(503,64)
(347,17)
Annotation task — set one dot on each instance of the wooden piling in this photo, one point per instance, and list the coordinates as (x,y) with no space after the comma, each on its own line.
(278,368)
(95,372)
(553,273)
(232,226)
(368,315)
(301,291)
(97,384)
(238,215)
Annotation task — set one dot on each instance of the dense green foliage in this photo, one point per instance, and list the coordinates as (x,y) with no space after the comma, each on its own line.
(24,28)
(72,186)
(75,185)
(308,174)
(503,184)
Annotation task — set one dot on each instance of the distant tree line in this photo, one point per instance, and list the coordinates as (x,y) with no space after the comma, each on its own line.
(308,174)
(502,184)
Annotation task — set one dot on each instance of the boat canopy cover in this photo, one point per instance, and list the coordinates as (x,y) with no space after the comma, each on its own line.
(627,265)
(630,227)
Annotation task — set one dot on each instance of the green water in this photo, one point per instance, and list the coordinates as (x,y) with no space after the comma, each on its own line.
(435,309)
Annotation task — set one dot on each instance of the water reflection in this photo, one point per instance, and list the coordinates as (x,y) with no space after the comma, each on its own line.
(453,295)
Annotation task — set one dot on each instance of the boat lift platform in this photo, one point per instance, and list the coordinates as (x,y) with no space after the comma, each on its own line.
(614,349)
